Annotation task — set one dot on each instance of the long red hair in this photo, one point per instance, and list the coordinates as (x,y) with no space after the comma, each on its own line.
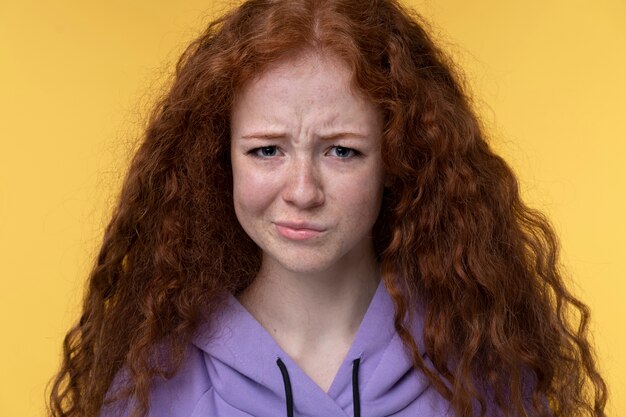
(453,232)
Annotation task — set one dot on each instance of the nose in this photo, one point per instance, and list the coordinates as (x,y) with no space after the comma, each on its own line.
(303,185)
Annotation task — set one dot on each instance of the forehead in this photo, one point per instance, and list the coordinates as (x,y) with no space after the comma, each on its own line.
(308,85)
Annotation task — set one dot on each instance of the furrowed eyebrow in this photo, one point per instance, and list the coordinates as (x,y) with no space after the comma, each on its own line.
(275,136)
(340,135)
(264,136)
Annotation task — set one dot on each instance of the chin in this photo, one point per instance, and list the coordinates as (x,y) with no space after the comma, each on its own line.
(302,265)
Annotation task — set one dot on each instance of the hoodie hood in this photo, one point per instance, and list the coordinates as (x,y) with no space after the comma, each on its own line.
(251,375)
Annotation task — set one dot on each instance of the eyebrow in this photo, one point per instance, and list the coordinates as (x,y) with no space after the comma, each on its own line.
(264,136)
(277,136)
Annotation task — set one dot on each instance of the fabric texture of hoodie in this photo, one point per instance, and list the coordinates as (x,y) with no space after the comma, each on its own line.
(238,370)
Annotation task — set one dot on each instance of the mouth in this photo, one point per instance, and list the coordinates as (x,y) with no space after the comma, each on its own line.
(298,231)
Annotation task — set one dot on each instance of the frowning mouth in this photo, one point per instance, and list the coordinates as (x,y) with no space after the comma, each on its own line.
(298,231)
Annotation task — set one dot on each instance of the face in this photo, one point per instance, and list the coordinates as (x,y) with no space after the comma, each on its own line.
(307,170)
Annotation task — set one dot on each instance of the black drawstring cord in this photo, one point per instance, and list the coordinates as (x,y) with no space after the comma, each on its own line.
(283,370)
(356,402)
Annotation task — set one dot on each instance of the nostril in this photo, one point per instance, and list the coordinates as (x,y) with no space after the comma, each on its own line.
(304,196)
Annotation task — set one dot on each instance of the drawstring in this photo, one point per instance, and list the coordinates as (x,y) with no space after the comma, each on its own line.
(356,402)
(283,370)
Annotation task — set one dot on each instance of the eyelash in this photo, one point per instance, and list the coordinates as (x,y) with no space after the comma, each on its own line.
(254,152)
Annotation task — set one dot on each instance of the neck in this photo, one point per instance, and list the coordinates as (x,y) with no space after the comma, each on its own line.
(307,312)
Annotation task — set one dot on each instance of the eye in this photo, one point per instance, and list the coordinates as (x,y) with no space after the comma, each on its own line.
(343,152)
(264,151)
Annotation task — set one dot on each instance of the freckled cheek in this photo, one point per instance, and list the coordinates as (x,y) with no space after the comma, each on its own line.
(254,192)
(364,196)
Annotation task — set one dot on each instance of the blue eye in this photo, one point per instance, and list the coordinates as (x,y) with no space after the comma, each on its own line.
(270,151)
(344,153)
(263,151)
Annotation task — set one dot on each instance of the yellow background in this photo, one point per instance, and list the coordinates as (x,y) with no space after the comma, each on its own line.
(76,78)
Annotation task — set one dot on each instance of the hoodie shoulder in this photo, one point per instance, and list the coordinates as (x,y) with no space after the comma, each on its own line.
(177,396)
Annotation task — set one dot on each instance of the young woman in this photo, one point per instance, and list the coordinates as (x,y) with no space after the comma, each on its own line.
(315,225)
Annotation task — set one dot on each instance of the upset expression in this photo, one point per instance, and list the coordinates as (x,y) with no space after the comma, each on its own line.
(307,170)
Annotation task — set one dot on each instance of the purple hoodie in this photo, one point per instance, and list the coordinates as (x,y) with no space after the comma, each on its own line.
(240,371)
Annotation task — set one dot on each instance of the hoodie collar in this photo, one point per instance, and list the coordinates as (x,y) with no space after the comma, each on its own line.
(241,358)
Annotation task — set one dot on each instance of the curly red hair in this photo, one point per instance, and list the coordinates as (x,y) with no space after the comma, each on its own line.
(453,232)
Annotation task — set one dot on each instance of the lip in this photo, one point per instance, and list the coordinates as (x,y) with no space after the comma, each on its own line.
(298,230)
